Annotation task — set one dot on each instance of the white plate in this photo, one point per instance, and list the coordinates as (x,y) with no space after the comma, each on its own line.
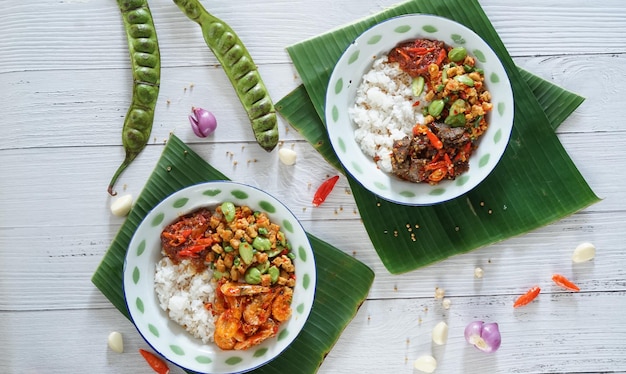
(167,337)
(357,60)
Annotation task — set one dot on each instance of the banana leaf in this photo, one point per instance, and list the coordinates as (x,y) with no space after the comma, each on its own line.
(524,192)
(179,167)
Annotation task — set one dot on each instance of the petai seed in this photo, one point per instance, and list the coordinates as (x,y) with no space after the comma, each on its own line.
(457,54)
(126,5)
(140,118)
(242,67)
(140,31)
(144,45)
(226,42)
(147,75)
(435,108)
(233,55)
(145,59)
(215,30)
(253,95)
(248,81)
(137,16)
(265,125)
(146,94)
(465,79)
(133,138)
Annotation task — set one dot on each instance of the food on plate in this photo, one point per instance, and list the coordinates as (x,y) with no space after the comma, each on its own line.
(420,111)
(145,60)
(203,122)
(240,69)
(484,336)
(226,275)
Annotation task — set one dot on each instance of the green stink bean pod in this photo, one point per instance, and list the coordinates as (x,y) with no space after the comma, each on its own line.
(146,69)
(240,69)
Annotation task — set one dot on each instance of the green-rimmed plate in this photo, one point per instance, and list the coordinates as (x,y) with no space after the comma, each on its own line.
(347,75)
(166,336)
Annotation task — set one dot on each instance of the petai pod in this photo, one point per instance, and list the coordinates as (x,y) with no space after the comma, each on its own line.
(240,69)
(146,69)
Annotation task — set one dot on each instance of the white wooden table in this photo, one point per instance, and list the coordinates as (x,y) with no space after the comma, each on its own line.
(64,90)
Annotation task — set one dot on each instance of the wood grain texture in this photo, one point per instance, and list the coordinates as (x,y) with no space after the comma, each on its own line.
(65,83)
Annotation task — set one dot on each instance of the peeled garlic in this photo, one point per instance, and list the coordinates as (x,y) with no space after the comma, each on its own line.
(121,206)
(478,272)
(426,364)
(446,303)
(584,252)
(439,293)
(115,341)
(287,156)
(440,333)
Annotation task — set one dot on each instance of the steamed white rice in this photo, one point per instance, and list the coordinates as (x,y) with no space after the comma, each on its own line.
(182,293)
(384,110)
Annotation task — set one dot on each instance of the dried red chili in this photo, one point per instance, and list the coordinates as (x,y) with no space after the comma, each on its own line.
(560,280)
(155,362)
(526,298)
(324,190)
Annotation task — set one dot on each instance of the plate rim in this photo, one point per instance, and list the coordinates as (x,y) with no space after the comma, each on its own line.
(208,368)
(432,198)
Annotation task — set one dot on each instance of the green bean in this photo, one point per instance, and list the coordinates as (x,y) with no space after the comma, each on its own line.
(240,69)
(146,69)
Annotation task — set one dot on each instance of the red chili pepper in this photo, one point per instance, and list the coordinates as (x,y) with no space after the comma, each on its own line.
(188,253)
(442,56)
(155,362)
(526,298)
(434,140)
(324,190)
(419,50)
(463,155)
(560,280)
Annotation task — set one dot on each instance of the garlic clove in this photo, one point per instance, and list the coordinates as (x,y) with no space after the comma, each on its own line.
(478,272)
(440,333)
(425,363)
(287,156)
(121,206)
(584,252)
(115,342)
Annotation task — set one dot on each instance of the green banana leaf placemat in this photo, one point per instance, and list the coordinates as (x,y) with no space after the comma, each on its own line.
(534,184)
(179,167)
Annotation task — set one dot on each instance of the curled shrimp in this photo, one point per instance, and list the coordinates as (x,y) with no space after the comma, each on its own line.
(259,309)
(266,331)
(227,330)
(235,289)
(281,307)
